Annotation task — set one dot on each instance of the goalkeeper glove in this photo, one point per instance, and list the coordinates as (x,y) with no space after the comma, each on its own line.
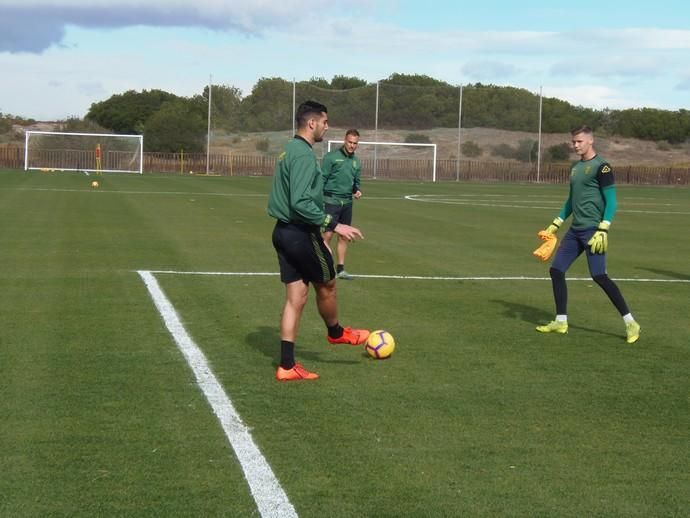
(554,226)
(600,240)
(544,252)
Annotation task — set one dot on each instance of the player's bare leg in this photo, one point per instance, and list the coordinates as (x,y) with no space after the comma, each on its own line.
(295,300)
(327,302)
(341,248)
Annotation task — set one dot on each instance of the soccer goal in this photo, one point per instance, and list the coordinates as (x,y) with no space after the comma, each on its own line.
(99,152)
(403,160)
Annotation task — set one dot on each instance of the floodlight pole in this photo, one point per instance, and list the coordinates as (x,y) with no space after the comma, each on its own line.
(208,129)
(539,139)
(294,108)
(376,127)
(457,165)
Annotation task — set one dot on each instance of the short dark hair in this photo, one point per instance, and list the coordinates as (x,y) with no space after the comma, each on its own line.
(307,110)
(352,132)
(581,129)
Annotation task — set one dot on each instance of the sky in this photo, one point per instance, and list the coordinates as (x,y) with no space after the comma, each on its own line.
(58,57)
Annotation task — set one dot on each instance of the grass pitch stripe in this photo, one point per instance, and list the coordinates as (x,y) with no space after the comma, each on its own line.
(271,500)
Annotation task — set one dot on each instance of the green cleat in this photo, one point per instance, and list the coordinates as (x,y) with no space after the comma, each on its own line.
(554,327)
(632,330)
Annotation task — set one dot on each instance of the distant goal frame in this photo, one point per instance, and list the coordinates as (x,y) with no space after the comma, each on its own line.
(401,144)
(139,152)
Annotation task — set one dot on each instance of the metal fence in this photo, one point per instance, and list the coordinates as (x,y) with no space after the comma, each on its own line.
(388,168)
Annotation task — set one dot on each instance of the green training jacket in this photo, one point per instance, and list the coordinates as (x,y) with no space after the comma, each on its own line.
(297,192)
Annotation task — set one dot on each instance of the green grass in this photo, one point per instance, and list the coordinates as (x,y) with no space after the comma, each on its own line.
(475,414)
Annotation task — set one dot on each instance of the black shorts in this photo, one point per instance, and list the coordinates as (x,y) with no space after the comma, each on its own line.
(341,213)
(302,254)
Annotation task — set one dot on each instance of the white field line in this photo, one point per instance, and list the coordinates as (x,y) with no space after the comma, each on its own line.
(517,204)
(270,498)
(420,277)
(174,193)
(473,200)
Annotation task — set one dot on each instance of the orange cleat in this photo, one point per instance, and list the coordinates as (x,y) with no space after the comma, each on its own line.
(351,336)
(296,373)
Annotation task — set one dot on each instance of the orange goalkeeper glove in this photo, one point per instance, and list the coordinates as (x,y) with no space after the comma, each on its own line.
(545,251)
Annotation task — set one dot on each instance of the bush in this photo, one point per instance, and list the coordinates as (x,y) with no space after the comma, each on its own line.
(663,145)
(527,151)
(558,153)
(471,149)
(504,151)
(262,145)
(417,138)
(77,125)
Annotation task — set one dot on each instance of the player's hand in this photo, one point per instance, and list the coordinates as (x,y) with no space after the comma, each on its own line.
(348,232)
(357,195)
(554,226)
(600,240)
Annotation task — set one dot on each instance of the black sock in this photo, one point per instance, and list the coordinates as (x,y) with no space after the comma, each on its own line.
(287,354)
(335,331)
(339,268)
(614,294)
(560,291)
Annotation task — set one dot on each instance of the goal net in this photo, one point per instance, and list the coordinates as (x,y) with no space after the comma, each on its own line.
(395,160)
(99,152)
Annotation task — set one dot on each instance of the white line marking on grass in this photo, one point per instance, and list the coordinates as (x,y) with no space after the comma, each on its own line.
(268,494)
(446,199)
(419,277)
(174,193)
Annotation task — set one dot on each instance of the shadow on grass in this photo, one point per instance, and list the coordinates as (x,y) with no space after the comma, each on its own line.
(266,340)
(536,316)
(666,273)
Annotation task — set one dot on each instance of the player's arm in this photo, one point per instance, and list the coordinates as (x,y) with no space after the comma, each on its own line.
(607,185)
(303,190)
(599,242)
(555,225)
(356,179)
(326,167)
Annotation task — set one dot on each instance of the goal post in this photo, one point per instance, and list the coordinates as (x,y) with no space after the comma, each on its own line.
(379,147)
(95,152)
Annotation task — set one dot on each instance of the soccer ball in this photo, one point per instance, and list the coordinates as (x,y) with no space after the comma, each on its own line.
(380,344)
(94,184)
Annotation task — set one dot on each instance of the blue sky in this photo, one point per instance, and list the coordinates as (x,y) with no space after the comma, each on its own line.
(58,57)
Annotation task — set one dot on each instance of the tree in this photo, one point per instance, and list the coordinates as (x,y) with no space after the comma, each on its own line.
(178,124)
(347,83)
(5,124)
(269,106)
(226,104)
(127,113)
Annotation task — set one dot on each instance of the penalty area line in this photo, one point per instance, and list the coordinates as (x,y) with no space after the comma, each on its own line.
(270,498)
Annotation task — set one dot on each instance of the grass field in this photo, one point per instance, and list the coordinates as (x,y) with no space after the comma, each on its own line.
(475,414)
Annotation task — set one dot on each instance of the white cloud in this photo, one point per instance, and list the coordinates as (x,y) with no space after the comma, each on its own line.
(591,96)
(488,70)
(35,25)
